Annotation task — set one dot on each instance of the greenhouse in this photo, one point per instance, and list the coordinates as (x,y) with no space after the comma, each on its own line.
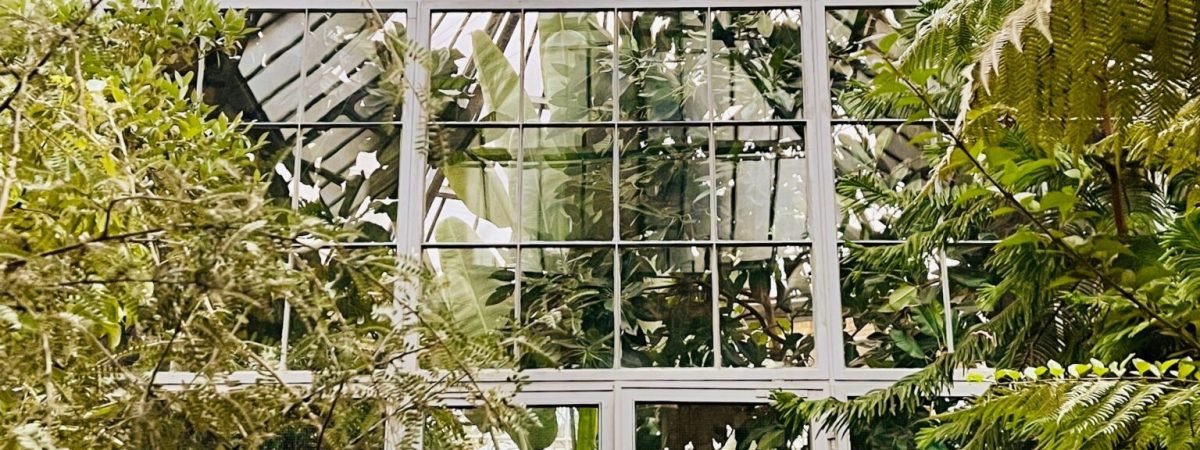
(632,224)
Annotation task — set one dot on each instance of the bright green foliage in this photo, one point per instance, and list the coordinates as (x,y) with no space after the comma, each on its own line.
(137,237)
(1075,145)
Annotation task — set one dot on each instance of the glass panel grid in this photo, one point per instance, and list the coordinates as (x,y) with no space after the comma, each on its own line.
(533,253)
(616,149)
(314,87)
(893,316)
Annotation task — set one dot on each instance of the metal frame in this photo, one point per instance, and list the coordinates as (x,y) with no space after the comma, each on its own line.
(617,390)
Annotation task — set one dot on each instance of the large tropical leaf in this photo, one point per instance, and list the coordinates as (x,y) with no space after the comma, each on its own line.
(474,298)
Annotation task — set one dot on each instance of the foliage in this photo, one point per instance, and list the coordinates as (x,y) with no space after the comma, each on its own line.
(1073,146)
(137,237)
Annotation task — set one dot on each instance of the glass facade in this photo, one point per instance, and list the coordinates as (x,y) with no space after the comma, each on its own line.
(675,198)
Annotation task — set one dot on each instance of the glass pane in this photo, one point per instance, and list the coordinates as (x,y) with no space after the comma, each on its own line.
(556,428)
(874,164)
(275,159)
(349,77)
(262,84)
(713,426)
(893,315)
(762,183)
(348,271)
(854,36)
(757,64)
(350,176)
(567,301)
(475,57)
(664,65)
(474,184)
(569,66)
(476,288)
(358,421)
(968,273)
(766,306)
(665,183)
(567,184)
(666,307)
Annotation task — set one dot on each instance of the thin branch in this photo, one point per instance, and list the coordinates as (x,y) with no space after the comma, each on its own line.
(767,325)
(10,166)
(961,146)
(329,415)
(58,44)
(113,203)
(114,237)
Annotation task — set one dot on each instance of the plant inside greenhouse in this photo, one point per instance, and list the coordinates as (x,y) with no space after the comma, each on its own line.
(626,225)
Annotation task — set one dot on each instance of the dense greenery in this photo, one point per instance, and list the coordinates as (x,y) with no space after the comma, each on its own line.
(1076,145)
(138,236)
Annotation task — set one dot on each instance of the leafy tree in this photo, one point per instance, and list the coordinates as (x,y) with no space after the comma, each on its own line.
(138,235)
(1076,145)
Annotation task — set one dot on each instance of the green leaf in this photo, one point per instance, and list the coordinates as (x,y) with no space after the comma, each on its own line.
(542,436)
(587,433)
(498,79)
(1079,370)
(885,44)
(484,193)
(900,299)
(1056,369)
(1144,368)
(1064,201)
(1186,368)
(906,343)
(971,194)
(1007,374)
(470,285)
(1021,237)
(766,26)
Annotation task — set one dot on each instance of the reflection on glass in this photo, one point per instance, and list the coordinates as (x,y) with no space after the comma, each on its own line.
(874,164)
(567,301)
(968,275)
(762,183)
(569,66)
(666,307)
(713,426)
(348,78)
(555,428)
(893,315)
(275,159)
(665,184)
(475,184)
(567,186)
(476,57)
(476,286)
(766,306)
(854,36)
(350,176)
(262,84)
(343,270)
(756,73)
(664,65)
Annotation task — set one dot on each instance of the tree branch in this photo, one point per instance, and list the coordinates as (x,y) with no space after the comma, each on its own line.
(58,44)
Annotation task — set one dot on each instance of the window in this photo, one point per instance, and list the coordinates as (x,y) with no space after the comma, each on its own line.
(651,200)
(678,198)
